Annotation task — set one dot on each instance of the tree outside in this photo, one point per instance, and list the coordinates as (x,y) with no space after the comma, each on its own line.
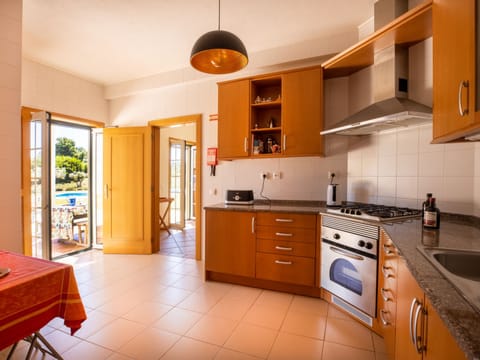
(71,166)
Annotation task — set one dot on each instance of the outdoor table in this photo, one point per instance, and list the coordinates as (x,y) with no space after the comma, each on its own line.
(32,294)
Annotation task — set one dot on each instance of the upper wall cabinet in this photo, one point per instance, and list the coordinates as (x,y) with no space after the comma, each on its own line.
(271,115)
(408,29)
(454,70)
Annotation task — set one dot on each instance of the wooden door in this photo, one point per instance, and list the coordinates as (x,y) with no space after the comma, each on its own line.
(230,242)
(407,291)
(302,112)
(453,65)
(233,119)
(127,190)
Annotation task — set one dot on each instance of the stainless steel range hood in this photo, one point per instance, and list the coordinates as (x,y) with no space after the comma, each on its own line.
(391,108)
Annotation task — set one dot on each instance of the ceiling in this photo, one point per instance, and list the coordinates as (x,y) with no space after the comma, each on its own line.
(112,41)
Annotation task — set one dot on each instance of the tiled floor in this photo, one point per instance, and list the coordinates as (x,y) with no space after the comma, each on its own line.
(159,307)
(180,243)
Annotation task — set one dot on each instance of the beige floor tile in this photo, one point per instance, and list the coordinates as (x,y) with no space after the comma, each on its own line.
(188,282)
(85,350)
(378,343)
(178,321)
(212,329)
(265,315)
(289,346)
(147,312)
(96,320)
(348,333)
(172,296)
(226,354)
(116,333)
(122,304)
(334,312)
(275,299)
(234,309)
(251,339)
(305,324)
(61,341)
(187,348)
(149,344)
(309,305)
(199,302)
(341,352)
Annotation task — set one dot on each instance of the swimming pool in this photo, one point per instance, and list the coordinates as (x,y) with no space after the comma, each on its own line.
(71,198)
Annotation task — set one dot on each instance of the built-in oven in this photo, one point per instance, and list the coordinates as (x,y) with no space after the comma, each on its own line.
(349,251)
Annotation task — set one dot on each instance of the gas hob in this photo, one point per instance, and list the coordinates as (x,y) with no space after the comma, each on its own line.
(374,212)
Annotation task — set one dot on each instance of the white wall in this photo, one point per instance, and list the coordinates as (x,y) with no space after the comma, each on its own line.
(10,136)
(53,90)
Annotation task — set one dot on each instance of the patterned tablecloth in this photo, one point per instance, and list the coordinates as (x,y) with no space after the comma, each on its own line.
(33,293)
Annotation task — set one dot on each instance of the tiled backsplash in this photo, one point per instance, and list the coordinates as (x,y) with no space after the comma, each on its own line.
(400,167)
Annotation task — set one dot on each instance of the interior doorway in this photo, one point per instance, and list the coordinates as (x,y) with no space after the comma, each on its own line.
(177,174)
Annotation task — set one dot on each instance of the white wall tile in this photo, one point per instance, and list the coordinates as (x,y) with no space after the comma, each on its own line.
(431,164)
(387,144)
(407,165)
(407,141)
(387,165)
(387,186)
(458,189)
(459,162)
(430,184)
(407,187)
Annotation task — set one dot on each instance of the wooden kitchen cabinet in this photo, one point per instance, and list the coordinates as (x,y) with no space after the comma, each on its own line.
(233,117)
(454,87)
(302,114)
(279,114)
(433,338)
(286,248)
(230,242)
(387,292)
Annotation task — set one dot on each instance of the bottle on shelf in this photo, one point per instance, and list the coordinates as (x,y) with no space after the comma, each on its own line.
(425,204)
(431,217)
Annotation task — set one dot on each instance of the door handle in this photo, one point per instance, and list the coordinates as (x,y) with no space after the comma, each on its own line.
(382,317)
(463,84)
(284,220)
(245,144)
(346,253)
(253,224)
(105,191)
(283,234)
(283,248)
(284,142)
(283,262)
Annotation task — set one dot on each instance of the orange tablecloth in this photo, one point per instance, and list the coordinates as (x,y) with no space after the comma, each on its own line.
(33,293)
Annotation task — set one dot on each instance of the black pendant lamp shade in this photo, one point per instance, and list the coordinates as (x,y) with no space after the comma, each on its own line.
(218,52)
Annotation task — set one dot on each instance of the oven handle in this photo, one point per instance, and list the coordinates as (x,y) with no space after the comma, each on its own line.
(346,253)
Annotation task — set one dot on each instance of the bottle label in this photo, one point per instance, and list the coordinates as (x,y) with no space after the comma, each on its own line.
(430,219)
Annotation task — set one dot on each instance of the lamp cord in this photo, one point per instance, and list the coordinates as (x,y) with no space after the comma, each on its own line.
(219,15)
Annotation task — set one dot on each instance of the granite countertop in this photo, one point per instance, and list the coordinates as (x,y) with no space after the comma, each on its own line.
(459,316)
(458,232)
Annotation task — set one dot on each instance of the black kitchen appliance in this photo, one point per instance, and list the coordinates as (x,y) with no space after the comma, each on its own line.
(239,197)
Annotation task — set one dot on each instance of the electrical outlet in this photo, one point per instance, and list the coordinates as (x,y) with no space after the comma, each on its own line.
(330,174)
(263,175)
(276,175)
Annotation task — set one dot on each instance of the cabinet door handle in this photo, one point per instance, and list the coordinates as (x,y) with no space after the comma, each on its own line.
(382,317)
(410,322)
(106,191)
(284,234)
(283,262)
(284,142)
(384,295)
(385,273)
(245,144)
(284,220)
(253,224)
(418,339)
(463,84)
(283,248)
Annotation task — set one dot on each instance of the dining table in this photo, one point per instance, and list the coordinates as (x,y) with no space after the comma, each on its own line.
(34,291)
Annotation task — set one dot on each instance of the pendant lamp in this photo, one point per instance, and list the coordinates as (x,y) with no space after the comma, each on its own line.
(218,52)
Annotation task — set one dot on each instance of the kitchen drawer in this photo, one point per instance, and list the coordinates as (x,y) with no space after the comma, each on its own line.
(287,269)
(287,219)
(285,233)
(286,247)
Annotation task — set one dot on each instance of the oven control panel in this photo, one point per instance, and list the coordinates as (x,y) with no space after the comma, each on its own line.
(352,241)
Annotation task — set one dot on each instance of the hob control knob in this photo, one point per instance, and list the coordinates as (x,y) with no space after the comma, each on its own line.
(358,212)
(361,243)
(369,245)
(336,236)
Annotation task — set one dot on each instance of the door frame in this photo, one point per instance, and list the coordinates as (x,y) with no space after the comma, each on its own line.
(179,120)
(26,115)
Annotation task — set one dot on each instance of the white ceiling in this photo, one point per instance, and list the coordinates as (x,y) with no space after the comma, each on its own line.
(111,41)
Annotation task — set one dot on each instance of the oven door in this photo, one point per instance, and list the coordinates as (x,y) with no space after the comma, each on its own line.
(350,276)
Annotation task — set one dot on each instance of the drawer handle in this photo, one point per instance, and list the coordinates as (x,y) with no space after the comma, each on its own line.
(382,317)
(384,295)
(284,234)
(386,249)
(385,273)
(280,262)
(463,84)
(283,248)
(284,220)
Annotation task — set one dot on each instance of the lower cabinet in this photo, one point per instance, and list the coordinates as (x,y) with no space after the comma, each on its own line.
(286,248)
(230,242)
(420,333)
